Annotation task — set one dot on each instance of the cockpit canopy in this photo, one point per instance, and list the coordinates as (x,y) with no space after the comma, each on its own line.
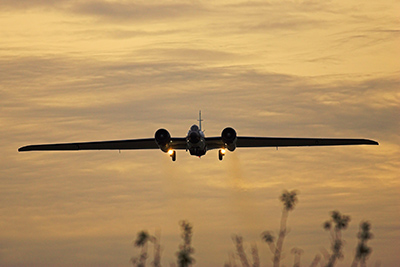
(194,128)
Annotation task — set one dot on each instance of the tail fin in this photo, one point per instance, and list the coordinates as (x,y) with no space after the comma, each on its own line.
(200,120)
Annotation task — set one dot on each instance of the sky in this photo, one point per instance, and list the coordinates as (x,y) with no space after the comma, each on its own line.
(74,70)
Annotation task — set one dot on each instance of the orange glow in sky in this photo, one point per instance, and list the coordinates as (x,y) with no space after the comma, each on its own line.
(75,70)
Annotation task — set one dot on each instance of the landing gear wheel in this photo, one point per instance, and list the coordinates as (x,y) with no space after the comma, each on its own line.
(220,154)
(173,156)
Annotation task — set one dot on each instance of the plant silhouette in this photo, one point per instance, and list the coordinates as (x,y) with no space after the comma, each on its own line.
(185,252)
(142,239)
(238,241)
(289,200)
(240,251)
(335,225)
(362,250)
(297,254)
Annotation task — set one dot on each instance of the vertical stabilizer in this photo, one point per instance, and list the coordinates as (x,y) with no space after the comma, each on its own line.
(200,120)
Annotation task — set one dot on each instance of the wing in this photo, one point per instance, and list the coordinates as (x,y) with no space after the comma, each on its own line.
(148,143)
(216,142)
(279,141)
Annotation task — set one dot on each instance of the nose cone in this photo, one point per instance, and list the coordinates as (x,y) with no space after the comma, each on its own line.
(194,137)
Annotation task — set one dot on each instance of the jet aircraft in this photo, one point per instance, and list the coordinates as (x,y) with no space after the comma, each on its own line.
(197,144)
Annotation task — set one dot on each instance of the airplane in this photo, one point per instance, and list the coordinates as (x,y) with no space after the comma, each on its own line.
(197,144)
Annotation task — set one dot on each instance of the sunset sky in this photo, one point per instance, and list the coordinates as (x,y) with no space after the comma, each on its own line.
(75,70)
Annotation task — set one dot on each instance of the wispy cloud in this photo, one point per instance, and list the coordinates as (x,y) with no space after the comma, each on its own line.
(78,87)
(143,11)
(31,4)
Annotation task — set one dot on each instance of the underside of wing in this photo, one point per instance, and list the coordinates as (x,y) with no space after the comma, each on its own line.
(100,145)
(280,142)
(148,143)
(214,143)
(178,143)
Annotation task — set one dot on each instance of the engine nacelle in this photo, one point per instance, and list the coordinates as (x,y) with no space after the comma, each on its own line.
(163,139)
(229,138)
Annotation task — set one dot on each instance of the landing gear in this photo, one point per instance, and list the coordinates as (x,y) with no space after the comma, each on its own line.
(221,154)
(172,154)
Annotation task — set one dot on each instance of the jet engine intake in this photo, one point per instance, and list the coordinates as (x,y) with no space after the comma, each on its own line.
(163,139)
(229,138)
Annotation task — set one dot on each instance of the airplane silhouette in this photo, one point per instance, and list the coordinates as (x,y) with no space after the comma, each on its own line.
(196,143)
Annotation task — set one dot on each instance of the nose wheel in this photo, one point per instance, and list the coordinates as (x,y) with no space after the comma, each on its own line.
(221,154)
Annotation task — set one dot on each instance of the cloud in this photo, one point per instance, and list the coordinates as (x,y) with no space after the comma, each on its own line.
(257,16)
(129,11)
(111,93)
(31,4)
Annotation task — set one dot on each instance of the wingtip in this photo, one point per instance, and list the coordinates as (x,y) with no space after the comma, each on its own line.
(24,148)
(372,142)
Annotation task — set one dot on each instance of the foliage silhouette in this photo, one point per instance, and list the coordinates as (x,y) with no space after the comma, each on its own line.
(340,223)
(185,249)
(362,250)
(335,225)
(297,254)
(142,239)
(240,252)
(238,241)
(289,200)
(254,253)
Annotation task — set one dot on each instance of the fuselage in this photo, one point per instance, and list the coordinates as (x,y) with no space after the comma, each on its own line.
(195,140)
